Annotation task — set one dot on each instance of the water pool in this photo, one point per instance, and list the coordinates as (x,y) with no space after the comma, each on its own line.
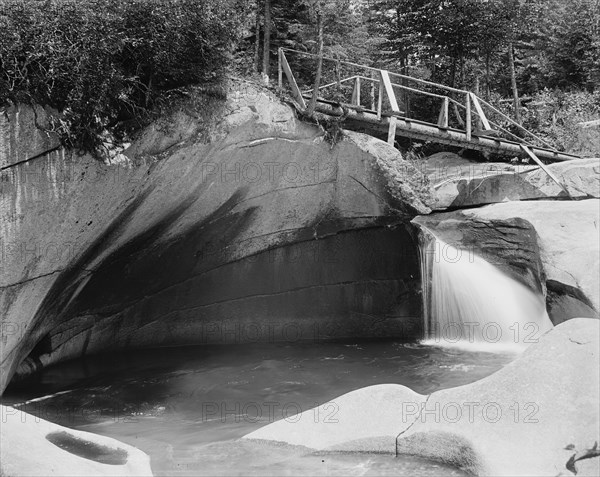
(186,407)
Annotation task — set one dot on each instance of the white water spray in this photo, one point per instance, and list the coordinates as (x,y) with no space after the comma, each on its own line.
(468,302)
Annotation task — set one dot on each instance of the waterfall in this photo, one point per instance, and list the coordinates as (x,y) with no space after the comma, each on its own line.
(469,302)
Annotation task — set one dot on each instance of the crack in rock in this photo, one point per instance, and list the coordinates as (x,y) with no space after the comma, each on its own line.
(423,406)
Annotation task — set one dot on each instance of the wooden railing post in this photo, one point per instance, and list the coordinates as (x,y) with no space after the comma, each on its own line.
(290,77)
(468,124)
(372,91)
(443,117)
(380,100)
(389,89)
(356,92)
(279,70)
(484,121)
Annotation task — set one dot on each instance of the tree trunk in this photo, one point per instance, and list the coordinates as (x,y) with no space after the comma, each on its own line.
(267,39)
(487,76)
(405,82)
(453,73)
(513,81)
(256,64)
(313,100)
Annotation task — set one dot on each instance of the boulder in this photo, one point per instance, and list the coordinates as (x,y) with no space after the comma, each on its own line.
(459,183)
(365,420)
(514,422)
(555,242)
(32,446)
(568,235)
(247,227)
(518,421)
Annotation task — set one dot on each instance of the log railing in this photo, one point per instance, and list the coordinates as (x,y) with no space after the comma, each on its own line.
(382,88)
(462,101)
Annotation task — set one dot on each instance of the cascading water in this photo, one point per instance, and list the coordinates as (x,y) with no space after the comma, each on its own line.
(469,302)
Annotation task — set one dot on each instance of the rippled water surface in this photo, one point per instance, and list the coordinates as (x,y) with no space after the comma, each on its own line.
(186,407)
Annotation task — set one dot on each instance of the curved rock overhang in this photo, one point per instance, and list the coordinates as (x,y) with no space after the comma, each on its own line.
(267,233)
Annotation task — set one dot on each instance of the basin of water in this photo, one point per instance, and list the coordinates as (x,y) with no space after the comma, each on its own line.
(187,407)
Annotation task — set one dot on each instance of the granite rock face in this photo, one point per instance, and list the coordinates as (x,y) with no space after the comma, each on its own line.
(252,229)
(24,134)
(551,246)
(514,422)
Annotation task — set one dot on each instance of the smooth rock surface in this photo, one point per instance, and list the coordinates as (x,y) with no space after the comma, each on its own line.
(24,134)
(523,416)
(568,235)
(366,420)
(530,418)
(26,450)
(460,183)
(248,227)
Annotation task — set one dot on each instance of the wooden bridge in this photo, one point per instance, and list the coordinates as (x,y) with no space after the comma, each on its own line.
(377,101)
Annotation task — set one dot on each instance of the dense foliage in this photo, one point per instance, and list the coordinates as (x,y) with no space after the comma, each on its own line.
(556,42)
(112,64)
(536,50)
(107,63)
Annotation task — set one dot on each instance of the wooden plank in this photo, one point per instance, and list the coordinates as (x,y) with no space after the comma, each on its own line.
(468,124)
(479,109)
(356,92)
(387,84)
(443,117)
(544,168)
(290,77)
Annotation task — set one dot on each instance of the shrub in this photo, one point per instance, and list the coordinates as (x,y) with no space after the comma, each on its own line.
(556,114)
(111,64)
(553,115)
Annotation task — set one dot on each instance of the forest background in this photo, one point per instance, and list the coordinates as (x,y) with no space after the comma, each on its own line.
(116,65)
